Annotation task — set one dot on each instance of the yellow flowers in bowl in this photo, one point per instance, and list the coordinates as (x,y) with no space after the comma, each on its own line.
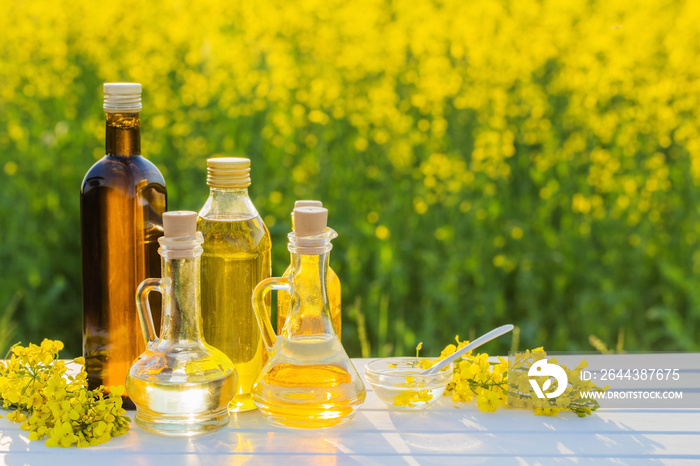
(54,405)
(399,382)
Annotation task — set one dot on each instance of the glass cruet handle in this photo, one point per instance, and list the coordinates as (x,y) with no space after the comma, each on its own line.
(262,312)
(144,307)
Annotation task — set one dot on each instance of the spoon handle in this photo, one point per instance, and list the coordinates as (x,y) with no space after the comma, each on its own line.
(497,332)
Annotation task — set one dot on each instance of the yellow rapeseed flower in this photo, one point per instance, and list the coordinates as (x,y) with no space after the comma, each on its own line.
(382,232)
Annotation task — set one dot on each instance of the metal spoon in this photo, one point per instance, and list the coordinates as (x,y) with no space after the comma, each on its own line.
(497,332)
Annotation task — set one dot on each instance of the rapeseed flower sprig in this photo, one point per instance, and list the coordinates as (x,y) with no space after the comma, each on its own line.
(571,399)
(475,376)
(53,405)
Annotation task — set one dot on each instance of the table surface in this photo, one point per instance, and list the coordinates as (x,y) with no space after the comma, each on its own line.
(447,433)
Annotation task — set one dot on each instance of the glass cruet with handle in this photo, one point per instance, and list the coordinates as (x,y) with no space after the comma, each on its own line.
(180,384)
(308,380)
(332,281)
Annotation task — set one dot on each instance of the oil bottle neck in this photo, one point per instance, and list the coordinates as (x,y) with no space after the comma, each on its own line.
(123,134)
(229,202)
(309,312)
(182,318)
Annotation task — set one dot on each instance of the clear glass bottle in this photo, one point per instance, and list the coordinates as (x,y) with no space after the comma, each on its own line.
(333,287)
(122,200)
(236,258)
(180,384)
(309,380)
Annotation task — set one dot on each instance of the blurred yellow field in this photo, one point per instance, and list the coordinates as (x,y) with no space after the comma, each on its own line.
(532,162)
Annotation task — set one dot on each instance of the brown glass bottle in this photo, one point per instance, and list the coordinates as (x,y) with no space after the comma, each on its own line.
(122,201)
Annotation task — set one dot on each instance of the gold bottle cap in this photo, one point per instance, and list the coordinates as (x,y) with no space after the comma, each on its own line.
(179,223)
(228,172)
(122,97)
(310,221)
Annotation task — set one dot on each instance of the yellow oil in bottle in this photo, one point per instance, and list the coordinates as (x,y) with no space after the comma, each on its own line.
(236,258)
(333,283)
(309,383)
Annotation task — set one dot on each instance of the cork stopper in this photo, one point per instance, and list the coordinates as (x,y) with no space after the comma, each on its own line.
(122,97)
(310,234)
(304,203)
(180,240)
(308,203)
(310,221)
(179,223)
(228,172)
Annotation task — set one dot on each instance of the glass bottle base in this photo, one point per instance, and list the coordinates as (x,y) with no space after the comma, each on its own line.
(305,417)
(241,403)
(182,425)
(306,424)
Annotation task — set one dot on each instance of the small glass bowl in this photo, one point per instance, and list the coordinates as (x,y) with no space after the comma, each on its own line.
(399,384)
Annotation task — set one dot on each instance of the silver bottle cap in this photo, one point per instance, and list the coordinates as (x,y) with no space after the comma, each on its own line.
(122,97)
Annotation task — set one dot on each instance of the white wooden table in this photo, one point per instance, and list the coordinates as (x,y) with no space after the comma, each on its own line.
(447,433)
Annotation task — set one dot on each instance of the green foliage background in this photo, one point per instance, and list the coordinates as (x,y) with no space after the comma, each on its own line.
(533,162)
